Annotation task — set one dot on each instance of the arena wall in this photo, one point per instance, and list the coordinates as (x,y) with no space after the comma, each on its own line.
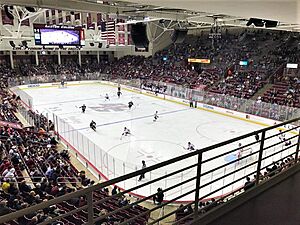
(222,111)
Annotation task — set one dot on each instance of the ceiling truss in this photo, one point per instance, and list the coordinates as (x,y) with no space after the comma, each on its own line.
(138,12)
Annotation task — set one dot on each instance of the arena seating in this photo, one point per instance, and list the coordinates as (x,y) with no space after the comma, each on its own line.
(24,151)
(264,51)
(207,205)
(32,70)
(240,84)
(223,75)
(284,93)
(32,170)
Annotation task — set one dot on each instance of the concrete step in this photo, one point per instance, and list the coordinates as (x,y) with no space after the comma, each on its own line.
(262,91)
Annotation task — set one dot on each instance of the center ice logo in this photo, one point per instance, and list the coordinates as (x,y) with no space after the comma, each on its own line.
(117,107)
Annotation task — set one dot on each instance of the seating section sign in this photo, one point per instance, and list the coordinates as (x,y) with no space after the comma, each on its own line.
(205,61)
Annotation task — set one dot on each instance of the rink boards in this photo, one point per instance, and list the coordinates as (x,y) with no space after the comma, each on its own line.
(111,157)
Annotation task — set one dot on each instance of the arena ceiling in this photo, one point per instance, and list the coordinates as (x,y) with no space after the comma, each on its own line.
(196,13)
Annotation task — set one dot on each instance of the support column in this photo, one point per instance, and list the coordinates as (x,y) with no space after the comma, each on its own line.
(260,155)
(89,198)
(297,149)
(58,57)
(98,57)
(126,34)
(117,36)
(11,59)
(79,57)
(198,179)
(36,58)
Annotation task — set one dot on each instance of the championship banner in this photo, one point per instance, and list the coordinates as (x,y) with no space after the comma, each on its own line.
(204,61)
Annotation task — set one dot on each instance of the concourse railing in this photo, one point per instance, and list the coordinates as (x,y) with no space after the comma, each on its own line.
(211,175)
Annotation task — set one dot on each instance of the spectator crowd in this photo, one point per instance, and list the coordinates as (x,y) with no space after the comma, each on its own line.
(32,167)
(35,169)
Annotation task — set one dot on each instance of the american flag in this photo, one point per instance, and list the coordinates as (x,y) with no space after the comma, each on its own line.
(108,31)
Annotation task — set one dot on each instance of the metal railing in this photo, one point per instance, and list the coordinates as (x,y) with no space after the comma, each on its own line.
(108,166)
(212,172)
(273,146)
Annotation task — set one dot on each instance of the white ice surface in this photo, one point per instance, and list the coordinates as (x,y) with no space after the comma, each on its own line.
(151,141)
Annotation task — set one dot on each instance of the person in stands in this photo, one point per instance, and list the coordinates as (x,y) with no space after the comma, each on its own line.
(249,184)
(159,197)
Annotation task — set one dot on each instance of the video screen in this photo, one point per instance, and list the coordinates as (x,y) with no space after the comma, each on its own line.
(58,36)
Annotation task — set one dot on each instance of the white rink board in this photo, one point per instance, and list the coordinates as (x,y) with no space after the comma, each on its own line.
(151,141)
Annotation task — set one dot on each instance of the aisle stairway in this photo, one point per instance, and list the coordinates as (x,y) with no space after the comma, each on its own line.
(262,91)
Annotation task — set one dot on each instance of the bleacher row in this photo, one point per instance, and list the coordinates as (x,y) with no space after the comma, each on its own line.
(265,52)
(33,170)
(284,93)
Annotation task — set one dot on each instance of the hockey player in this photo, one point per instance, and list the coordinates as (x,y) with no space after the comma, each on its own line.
(107,97)
(119,93)
(119,88)
(143,167)
(126,132)
(191,103)
(155,116)
(93,125)
(256,137)
(281,135)
(190,147)
(282,138)
(83,108)
(240,151)
(130,104)
(62,83)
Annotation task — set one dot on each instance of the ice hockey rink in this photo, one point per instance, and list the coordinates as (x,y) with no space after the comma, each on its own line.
(154,142)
